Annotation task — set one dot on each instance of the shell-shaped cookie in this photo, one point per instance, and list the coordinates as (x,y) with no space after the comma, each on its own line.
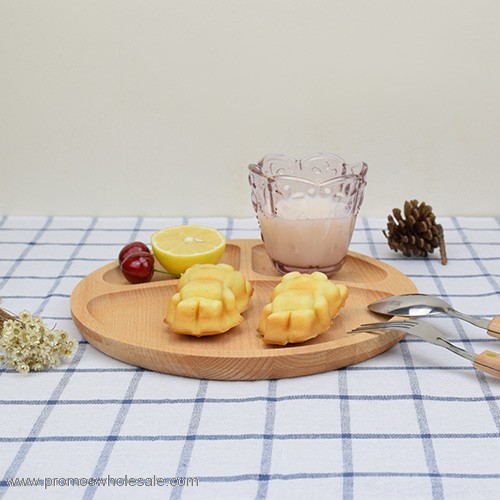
(203,307)
(302,307)
(335,293)
(224,273)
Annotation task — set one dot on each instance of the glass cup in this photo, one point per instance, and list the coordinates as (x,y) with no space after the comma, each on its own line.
(307,209)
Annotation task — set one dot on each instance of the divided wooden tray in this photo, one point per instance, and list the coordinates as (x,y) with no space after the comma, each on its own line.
(125,322)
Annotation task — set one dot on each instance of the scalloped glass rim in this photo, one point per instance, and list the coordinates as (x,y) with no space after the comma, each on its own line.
(357,170)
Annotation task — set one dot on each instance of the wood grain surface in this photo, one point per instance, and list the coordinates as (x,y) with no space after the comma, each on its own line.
(125,322)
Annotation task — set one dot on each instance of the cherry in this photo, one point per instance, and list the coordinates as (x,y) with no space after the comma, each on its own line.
(131,248)
(138,267)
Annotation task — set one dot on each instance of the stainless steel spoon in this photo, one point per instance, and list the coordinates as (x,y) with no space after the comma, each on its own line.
(417,304)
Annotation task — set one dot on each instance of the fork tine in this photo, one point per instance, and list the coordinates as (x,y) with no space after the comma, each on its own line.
(368,329)
(373,325)
(388,325)
(360,329)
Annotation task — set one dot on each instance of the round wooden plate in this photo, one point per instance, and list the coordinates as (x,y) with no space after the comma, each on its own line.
(125,322)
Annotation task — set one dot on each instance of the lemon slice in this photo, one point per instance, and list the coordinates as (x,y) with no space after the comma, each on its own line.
(180,247)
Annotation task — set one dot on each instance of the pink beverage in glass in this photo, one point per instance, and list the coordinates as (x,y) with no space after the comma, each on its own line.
(307,209)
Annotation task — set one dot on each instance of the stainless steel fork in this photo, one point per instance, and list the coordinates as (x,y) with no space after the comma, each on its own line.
(487,361)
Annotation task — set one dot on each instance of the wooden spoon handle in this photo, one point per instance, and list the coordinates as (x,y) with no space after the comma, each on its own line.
(494,327)
(488,362)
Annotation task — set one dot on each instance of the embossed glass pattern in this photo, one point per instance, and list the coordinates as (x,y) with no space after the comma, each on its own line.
(307,209)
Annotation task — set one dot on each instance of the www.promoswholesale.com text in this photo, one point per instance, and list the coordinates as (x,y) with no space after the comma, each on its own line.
(49,482)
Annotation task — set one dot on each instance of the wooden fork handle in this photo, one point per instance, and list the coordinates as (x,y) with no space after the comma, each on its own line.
(488,362)
(494,327)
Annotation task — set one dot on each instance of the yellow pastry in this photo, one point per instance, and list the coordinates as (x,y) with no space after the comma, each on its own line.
(209,300)
(336,294)
(224,273)
(203,307)
(302,307)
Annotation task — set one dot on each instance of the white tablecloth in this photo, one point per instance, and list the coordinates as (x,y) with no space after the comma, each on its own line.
(414,422)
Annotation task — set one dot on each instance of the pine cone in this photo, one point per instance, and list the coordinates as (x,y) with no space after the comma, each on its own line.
(416,234)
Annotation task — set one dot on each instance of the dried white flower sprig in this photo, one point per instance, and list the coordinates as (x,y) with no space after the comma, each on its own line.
(27,344)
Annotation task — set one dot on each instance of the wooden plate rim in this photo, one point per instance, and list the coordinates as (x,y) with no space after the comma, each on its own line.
(90,328)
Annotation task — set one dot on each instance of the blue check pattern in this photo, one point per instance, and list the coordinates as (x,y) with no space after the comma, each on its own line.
(413,422)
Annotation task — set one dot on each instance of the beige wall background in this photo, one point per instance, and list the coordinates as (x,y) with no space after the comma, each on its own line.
(123,107)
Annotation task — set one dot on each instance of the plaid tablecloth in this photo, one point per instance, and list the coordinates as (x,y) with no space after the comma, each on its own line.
(414,422)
